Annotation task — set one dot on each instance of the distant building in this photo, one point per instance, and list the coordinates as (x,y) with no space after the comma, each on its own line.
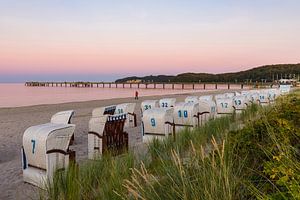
(134,81)
(288,82)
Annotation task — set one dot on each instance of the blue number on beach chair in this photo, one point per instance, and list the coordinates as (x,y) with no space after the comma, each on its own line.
(179,113)
(120,110)
(238,102)
(152,122)
(185,114)
(33,146)
(213,109)
(224,105)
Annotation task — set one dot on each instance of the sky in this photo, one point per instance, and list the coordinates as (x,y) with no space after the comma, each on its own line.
(101,40)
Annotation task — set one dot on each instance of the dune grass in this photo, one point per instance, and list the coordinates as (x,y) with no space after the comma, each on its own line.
(254,155)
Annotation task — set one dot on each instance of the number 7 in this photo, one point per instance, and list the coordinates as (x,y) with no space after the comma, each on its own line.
(33,146)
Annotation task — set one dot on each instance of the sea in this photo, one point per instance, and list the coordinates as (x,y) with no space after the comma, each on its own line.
(17,94)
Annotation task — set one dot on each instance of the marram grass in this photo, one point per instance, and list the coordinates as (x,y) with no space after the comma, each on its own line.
(210,162)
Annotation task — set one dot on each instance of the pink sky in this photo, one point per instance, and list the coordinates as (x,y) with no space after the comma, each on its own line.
(141,39)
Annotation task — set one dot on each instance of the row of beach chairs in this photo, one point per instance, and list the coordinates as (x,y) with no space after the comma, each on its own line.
(46,147)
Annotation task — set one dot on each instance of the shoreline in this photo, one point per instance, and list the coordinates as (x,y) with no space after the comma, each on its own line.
(15,120)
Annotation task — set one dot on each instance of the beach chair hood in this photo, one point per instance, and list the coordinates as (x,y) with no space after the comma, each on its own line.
(63,117)
(167,102)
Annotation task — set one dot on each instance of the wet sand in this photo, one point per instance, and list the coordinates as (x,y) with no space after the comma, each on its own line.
(14,121)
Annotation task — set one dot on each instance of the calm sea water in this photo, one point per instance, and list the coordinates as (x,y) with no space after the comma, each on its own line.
(16,95)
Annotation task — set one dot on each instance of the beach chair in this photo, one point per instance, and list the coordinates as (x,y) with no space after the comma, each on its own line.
(157,123)
(224,106)
(285,89)
(244,93)
(240,103)
(206,98)
(106,134)
(106,110)
(63,117)
(253,97)
(149,104)
(191,99)
(207,110)
(167,102)
(46,149)
(230,94)
(220,96)
(263,98)
(186,115)
(127,108)
(237,93)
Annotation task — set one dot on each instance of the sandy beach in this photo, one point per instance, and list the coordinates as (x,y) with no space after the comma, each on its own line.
(14,121)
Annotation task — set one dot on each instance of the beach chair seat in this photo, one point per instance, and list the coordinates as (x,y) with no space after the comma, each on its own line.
(106,134)
(46,149)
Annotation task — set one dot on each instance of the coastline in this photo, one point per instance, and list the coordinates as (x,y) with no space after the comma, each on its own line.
(15,120)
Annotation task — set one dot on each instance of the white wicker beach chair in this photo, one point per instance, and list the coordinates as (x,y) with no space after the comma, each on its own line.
(157,123)
(46,149)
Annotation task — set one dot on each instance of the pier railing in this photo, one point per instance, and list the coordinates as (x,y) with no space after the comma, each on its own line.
(183,86)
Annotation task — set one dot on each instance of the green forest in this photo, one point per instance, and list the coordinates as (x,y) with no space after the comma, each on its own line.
(268,73)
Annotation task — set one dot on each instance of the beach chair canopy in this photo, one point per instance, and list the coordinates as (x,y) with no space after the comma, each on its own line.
(263,97)
(285,89)
(229,94)
(149,104)
(224,106)
(40,139)
(240,102)
(220,96)
(237,93)
(208,106)
(63,117)
(106,110)
(154,121)
(167,102)
(273,94)
(186,114)
(253,97)
(192,99)
(206,98)
(244,93)
(127,108)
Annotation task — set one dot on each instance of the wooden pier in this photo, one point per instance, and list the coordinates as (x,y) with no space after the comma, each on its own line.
(173,86)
